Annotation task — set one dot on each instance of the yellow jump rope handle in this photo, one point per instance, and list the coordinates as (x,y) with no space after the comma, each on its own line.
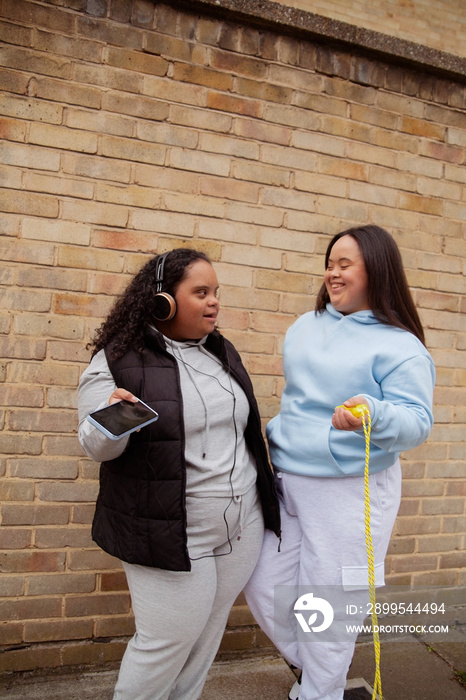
(362,411)
(357,411)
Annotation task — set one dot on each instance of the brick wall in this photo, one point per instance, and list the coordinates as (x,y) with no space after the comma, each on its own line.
(132,128)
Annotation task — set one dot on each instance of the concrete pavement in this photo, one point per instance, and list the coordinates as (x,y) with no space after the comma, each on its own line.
(412,669)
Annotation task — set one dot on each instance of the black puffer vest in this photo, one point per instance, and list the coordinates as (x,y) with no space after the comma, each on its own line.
(140,513)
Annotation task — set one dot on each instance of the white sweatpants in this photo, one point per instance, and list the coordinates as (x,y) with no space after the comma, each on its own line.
(323,544)
(181,616)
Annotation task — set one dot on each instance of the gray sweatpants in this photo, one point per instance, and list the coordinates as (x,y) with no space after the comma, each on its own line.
(181,616)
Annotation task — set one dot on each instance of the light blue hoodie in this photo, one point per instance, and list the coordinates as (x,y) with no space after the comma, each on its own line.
(329,358)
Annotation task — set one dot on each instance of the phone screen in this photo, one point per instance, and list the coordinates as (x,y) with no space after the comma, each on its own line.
(123,417)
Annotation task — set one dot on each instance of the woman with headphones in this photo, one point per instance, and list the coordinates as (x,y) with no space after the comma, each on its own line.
(182,502)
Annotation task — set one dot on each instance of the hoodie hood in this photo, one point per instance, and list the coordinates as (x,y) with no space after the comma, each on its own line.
(365,316)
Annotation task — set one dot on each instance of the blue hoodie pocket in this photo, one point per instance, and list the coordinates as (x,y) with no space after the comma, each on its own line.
(302,446)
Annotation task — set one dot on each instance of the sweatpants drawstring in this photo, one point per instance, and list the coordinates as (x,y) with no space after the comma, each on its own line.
(239,500)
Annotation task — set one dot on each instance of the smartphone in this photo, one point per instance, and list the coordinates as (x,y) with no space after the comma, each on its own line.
(122,418)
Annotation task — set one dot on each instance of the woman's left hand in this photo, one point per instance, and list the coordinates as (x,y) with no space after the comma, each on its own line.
(343,419)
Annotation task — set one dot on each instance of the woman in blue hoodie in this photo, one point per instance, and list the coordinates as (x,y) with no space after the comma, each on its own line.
(363,344)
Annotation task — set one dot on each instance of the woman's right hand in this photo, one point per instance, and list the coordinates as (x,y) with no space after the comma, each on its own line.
(343,419)
(120,394)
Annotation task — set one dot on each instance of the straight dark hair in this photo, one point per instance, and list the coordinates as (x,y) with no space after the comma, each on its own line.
(390,298)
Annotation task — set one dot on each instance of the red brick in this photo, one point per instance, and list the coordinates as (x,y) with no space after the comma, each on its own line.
(91,605)
(30,658)
(31,608)
(12,562)
(57,630)
(113,581)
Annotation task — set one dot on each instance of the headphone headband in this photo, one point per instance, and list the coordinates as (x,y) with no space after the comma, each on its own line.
(165,304)
(159,271)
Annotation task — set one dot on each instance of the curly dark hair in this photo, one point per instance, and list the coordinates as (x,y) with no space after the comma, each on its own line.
(389,295)
(124,326)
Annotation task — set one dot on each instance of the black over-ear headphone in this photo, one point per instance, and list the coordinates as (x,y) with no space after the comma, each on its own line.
(165,305)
